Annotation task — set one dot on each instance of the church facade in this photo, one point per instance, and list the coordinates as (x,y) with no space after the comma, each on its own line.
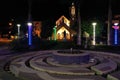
(63,30)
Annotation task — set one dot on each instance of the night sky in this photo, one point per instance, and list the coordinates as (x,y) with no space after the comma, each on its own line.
(53,9)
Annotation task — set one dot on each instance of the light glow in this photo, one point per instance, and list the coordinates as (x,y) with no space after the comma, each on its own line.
(64,19)
(29,33)
(94,24)
(10,24)
(94,41)
(29,24)
(73,10)
(54,33)
(60,32)
(18,25)
(116,24)
(116,27)
(115,38)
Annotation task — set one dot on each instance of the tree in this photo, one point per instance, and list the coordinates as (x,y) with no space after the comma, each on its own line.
(88,27)
(47,28)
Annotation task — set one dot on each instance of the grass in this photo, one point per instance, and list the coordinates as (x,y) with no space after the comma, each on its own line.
(39,44)
(8,76)
(106,48)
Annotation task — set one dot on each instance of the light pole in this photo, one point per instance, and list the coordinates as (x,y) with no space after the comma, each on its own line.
(55,32)
(79,28)
(109,23)
(94,24)
(18,26)
(29,33)
(116,27)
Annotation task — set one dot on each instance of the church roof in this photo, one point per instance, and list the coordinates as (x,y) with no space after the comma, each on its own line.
(63,19)
(65,26)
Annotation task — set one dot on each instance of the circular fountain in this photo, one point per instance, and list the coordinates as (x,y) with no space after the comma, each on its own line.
(71,57)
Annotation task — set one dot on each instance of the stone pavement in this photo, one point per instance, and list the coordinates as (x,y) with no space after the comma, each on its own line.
(5,55)
(22,66)
(43,70)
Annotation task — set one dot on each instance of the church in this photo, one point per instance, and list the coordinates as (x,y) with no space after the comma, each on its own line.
(62,29)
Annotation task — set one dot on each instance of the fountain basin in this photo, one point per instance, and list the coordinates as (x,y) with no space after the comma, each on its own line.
(68,57)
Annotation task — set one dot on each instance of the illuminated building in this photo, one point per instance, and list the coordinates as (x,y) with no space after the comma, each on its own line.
(37,28)
(73,11)
(63,30)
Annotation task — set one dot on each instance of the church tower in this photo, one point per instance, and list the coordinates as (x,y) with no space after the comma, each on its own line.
(72,14)
(73,11)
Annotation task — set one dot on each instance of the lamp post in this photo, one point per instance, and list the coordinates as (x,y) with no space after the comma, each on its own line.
(116,27)
(18,26)
(29,33)
(109,23)
(94,24)
(54,32)
(79,28)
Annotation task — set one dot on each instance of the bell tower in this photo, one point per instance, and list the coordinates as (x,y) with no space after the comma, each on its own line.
(73,11)
(72,14)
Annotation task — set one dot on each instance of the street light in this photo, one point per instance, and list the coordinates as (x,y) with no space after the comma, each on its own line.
(18,26)
(55,32)
(29,33)
(94,24)
(116,27)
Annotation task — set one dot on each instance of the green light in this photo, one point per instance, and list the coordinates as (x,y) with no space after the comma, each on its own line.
(55,33)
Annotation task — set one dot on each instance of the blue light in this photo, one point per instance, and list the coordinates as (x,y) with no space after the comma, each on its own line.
(116,27)
(115,37)
(29,34)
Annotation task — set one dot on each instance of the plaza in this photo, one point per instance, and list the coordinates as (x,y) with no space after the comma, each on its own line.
(60,40)
(39,65)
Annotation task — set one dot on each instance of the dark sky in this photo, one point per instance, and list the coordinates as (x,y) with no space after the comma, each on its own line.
(46,9)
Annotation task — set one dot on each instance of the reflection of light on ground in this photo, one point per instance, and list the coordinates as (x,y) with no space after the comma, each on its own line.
(5,40)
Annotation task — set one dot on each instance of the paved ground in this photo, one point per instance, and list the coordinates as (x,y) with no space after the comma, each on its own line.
(5,55)
(21,62)
(27,73)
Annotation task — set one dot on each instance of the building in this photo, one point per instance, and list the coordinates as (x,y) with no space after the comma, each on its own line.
(62,30)
(37,28)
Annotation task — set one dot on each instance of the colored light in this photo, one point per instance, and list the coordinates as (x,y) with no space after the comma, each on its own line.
(29,33)
(116,27)
(115,37)
(54,32)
